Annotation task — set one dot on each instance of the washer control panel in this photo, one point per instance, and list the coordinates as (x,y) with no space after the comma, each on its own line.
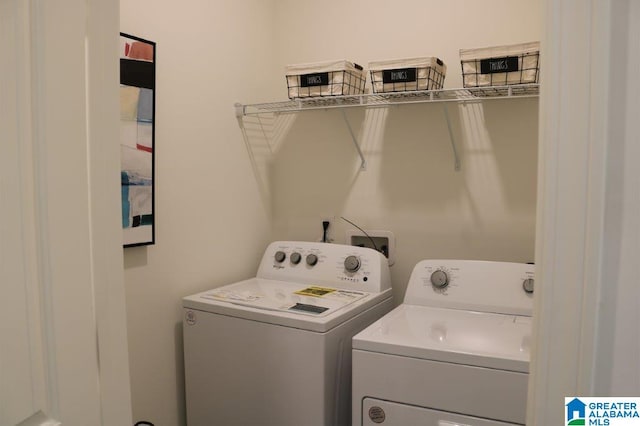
(501,287)
(335,265)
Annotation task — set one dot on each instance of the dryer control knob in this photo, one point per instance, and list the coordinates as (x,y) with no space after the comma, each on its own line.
(295,257)
(352,263)
(527,285)
(280,256)
(439,279)
(312,259)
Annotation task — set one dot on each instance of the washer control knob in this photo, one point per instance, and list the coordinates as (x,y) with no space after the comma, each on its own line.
(295,257)
(527,285)
(280,256)
(312,259)
(352,263)
(439,279)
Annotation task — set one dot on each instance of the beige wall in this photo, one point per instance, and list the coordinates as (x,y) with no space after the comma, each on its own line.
(484,211)
(367,30)
(217,206)
(211,223)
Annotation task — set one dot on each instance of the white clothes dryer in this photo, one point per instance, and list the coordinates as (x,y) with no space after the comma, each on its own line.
(455,353)
(276,349)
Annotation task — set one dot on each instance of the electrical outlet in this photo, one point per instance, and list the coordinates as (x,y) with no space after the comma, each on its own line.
(329,233)
(383,241)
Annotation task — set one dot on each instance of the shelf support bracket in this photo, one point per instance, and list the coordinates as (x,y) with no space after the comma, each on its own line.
(363,164)
(239,109)
(456,158)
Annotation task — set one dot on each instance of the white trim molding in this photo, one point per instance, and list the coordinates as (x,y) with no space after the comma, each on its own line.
(63,307)
(583,209)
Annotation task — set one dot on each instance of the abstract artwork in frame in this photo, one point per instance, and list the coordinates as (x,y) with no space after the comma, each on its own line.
(137,125)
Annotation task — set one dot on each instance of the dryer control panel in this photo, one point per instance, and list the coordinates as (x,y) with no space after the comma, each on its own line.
(499,287)
(334,265)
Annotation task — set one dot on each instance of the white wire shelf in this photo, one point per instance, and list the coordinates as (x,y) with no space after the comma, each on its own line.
(380,100)
(477,94)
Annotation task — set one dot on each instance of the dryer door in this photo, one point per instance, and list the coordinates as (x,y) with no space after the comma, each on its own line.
(378,412)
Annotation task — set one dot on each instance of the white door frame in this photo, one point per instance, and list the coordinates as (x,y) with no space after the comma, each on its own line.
(587,239)
(62,252)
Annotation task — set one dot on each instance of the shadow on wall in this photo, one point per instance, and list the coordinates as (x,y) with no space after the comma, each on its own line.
(417,167)
(135,257)
(515,150)
(486,210)
(263,135)
(180,380)
(496,146)
(411,144)
(311,171)
(314,170)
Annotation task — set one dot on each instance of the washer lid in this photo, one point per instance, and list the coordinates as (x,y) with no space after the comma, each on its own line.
(461,337)
(310,307)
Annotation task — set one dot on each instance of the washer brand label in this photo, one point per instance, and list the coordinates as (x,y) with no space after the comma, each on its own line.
(376,414)
(190,317)
(608,411)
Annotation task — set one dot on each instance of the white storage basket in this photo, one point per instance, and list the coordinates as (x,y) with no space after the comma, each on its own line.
(500,65)
(332,78)
(403,75)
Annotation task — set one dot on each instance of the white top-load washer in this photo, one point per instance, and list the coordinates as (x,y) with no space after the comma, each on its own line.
(455,353)
(276,349)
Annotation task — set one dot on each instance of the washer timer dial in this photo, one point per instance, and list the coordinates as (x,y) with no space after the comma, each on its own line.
(352,264)
(439,279)
(527,285)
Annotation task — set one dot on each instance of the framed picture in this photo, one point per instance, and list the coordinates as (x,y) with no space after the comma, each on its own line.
(137,134)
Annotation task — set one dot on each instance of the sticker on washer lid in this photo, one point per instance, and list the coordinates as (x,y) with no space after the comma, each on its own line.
(348,294)
(376,414)
(315,291)
(232,296)
(313,309)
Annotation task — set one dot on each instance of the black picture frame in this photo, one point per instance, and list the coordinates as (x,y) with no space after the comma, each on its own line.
(137,139)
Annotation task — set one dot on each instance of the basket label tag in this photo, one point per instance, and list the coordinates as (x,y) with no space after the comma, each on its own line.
(316,79)
(399,75)
(493,65)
